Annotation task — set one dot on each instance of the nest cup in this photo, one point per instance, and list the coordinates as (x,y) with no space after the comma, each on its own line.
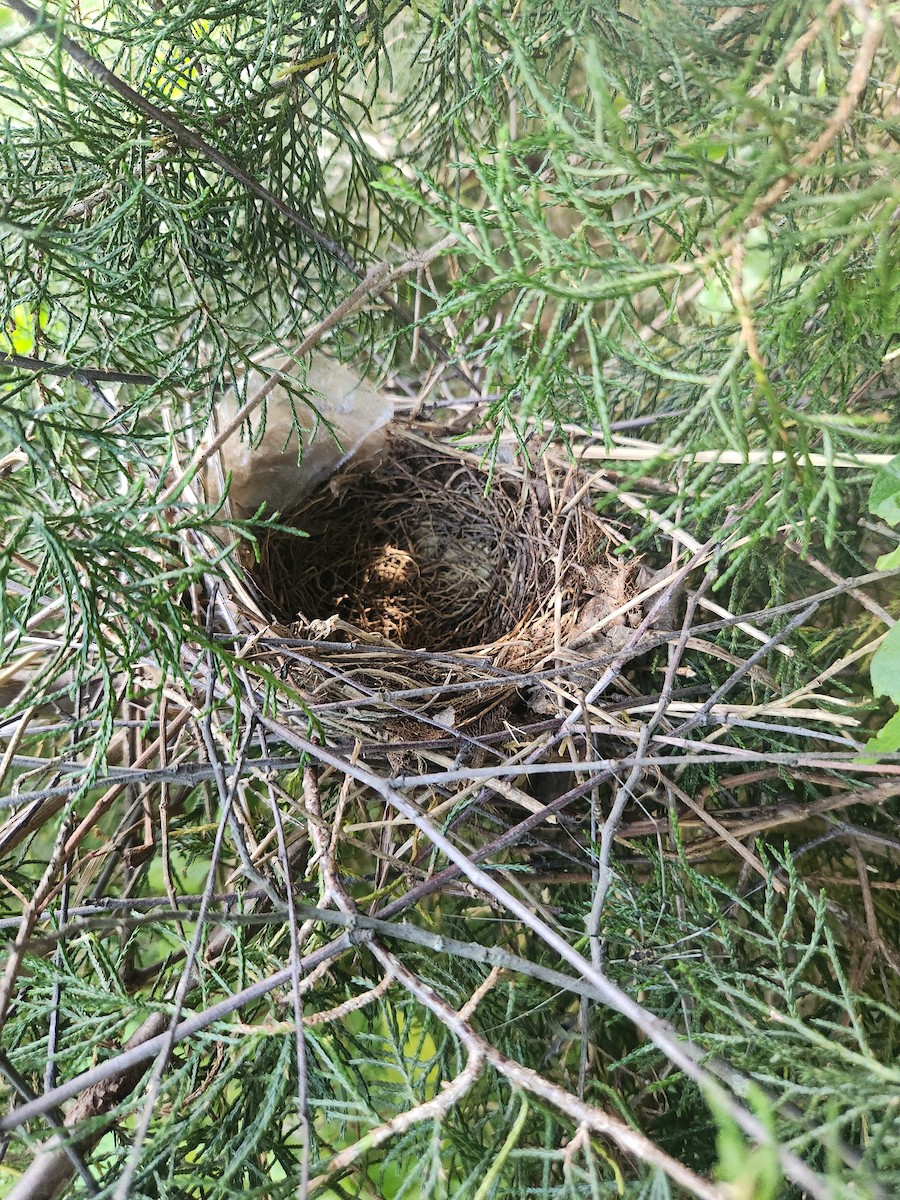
(426,552)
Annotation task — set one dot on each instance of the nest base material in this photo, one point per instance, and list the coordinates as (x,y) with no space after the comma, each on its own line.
(426,552)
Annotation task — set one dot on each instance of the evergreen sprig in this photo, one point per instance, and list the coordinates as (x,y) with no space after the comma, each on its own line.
(677,248)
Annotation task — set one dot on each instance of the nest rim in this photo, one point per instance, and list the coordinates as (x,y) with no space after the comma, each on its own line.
(551,555)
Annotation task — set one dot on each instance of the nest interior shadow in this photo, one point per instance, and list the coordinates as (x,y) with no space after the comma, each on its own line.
(424,552)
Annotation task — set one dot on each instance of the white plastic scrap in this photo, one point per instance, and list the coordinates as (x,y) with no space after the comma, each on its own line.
(340,417)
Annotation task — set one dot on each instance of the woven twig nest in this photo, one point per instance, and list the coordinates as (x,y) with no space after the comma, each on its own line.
(427,553)
(413,552)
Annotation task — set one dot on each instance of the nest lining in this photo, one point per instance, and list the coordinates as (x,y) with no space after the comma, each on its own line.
(419,552)
(426,553)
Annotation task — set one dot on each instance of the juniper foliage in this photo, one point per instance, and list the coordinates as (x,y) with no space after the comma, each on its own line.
(677,243)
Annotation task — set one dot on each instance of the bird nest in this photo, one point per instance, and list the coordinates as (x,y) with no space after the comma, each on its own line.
(417,552)
(429,573)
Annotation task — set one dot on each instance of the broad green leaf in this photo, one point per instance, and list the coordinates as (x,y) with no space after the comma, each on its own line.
(886,666)
(884,498)
(885,741)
